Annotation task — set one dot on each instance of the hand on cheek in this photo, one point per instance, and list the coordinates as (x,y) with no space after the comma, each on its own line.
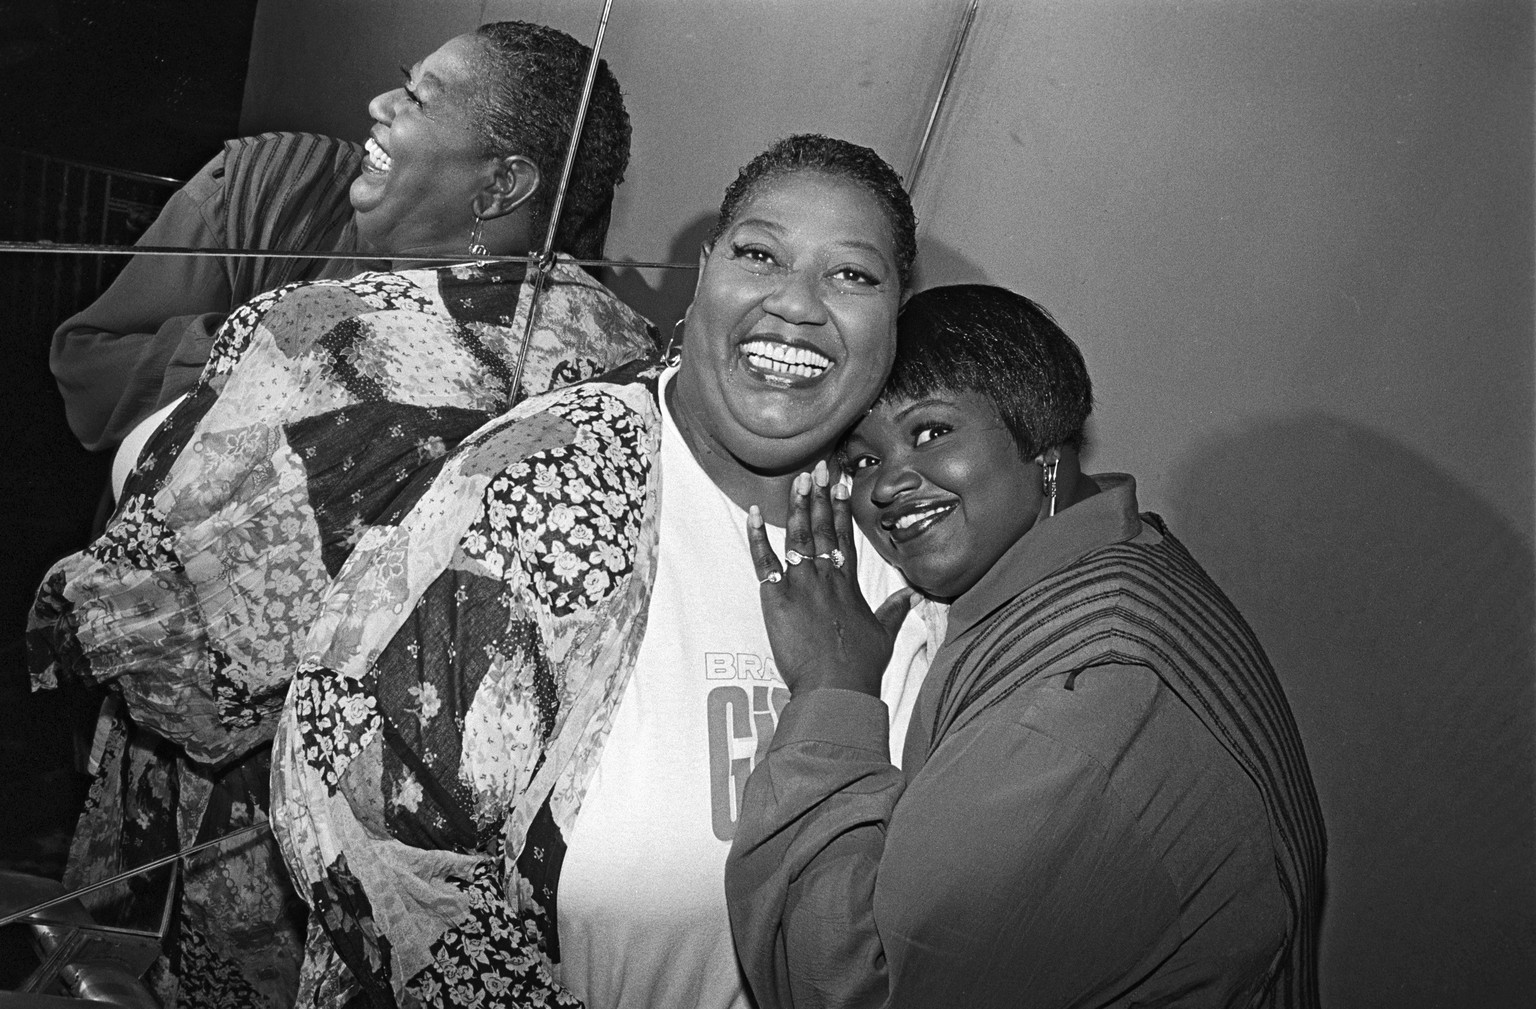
(823,632)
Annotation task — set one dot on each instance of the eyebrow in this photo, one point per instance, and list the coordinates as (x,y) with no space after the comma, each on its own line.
(776,228)
(416,77)
(911,407)
(853,243)
(870,247)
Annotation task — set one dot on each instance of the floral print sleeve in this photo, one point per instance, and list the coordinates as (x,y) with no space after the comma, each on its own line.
(434,750)
(318,405)
(324,409)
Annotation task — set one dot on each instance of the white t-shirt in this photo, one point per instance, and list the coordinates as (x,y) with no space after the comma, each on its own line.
(642,916)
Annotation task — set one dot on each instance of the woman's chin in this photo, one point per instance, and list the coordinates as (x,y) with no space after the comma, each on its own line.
(776,443)
(781,456)
(808,419)
(366,192)
(767,428)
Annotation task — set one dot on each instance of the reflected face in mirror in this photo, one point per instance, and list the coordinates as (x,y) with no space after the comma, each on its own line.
(940,489)
(793,324)
(425,162)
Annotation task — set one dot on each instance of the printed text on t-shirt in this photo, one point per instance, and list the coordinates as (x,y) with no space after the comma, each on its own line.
(741,717)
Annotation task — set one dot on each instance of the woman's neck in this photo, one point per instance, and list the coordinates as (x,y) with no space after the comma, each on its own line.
(741,483)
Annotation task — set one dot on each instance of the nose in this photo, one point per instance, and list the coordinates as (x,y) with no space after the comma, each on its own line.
(382,107)
(797,299)
(894,479)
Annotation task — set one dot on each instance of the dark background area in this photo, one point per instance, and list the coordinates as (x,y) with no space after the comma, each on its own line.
(96,93)
(144,85)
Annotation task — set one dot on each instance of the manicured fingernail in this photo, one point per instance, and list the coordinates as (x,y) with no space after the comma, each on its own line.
(840,491)
(820,473)
(755,517)
(803,484)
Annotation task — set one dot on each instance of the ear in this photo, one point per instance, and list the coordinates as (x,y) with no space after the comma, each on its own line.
(704,251)
(514,180)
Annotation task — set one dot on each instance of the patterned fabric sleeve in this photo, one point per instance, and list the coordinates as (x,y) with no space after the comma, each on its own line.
(319,404)
(460,680)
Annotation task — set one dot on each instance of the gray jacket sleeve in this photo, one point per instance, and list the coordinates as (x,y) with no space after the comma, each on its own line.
(1004,873)
(801,874)
(145,340)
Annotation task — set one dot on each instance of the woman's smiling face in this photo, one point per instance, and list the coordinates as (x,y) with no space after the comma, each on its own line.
(425,161)
(793,324)
(940,488)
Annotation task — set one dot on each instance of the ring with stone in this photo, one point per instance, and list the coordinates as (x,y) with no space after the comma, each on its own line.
(793,557)
(837,557)
(771,577)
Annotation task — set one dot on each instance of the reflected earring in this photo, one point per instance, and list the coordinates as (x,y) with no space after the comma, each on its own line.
(1048,473)
(477,238)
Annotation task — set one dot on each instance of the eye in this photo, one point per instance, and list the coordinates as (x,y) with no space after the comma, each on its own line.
(857,464)
(928,432)
(408,88)
(854,276)
(753,256)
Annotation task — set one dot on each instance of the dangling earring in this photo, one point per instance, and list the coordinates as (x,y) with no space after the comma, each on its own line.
(1048,473)
(477,239)
(674,349)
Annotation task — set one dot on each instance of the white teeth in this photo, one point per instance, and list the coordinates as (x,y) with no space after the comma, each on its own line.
(770,355)
(381,162)
(908,521)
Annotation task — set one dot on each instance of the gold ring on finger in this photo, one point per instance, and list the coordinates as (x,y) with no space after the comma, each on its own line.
(793,557)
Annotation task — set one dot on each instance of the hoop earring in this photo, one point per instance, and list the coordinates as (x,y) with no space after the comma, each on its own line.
(673,353)
(477,239)
(1048,474)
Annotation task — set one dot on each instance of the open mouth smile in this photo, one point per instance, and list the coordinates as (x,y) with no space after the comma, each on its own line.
(911,523)
(377,160)
(783,363)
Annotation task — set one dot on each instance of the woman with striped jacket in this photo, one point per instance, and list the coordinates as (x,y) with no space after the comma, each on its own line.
(1103,799)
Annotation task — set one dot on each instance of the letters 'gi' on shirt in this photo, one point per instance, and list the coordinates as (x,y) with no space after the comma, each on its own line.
(1103,802)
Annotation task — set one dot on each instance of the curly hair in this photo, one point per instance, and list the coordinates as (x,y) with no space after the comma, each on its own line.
(1002,346)
(839,159)
(533,78)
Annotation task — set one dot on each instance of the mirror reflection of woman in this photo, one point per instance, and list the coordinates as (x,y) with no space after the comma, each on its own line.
(515,763)
(466,150)
(242,495)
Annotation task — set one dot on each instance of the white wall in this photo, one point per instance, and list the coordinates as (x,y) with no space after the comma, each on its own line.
(1295,242)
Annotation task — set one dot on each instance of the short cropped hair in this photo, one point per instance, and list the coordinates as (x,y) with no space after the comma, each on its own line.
(990,341)
(534,77)
(839,159)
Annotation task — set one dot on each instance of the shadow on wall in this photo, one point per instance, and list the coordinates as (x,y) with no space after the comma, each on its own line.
(940,264)
(1397,607)
(664,298)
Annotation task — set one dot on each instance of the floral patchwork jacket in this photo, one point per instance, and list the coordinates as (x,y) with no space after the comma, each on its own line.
(319,405)
(463,673)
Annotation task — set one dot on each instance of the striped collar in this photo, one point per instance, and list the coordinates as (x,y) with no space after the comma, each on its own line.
(1107,517)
